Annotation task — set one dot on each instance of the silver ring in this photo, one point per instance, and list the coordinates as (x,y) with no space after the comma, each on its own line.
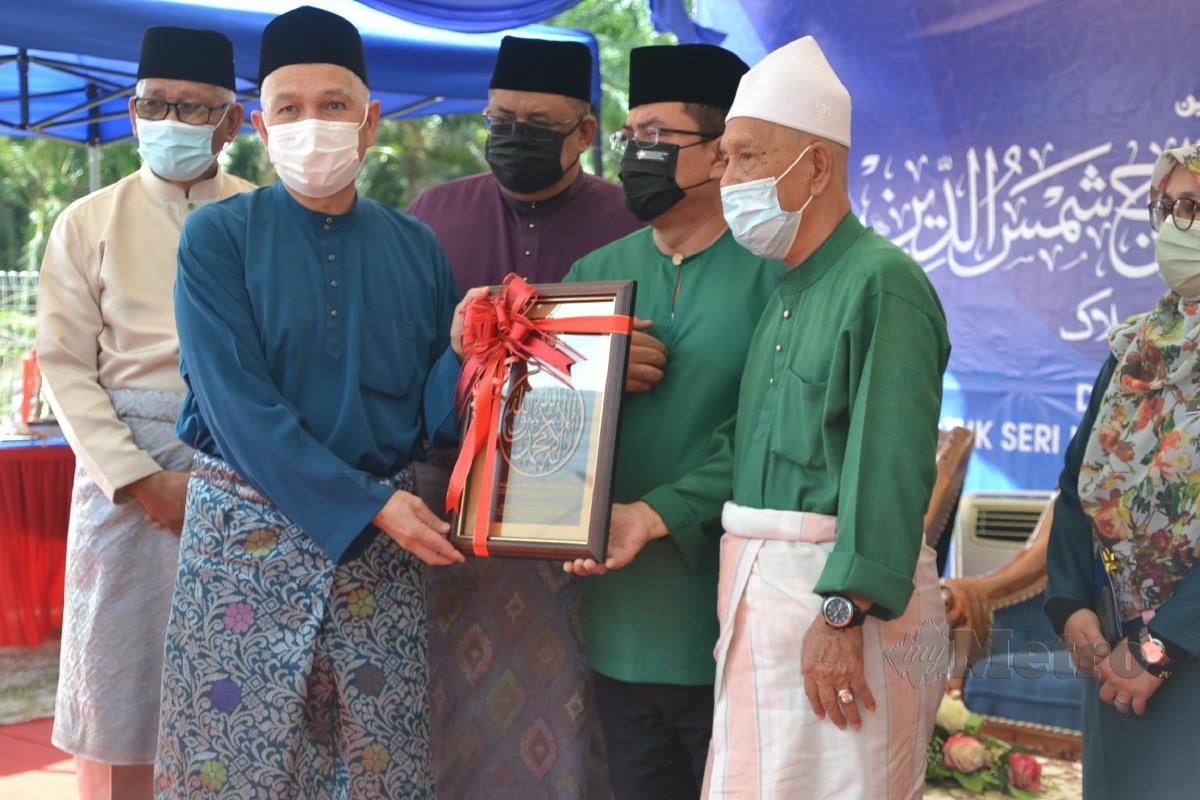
(846,696)
(1120,700)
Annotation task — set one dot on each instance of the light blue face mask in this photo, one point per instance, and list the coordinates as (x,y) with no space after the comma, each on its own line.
(175,150)
(755,217)
(1178,256)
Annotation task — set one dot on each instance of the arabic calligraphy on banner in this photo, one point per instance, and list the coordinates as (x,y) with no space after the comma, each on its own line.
(1023,208)
(1036,251)
(1188,107)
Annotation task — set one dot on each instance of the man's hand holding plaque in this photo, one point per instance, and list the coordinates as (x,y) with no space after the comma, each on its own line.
(632,527)
(647,358)
(460,315)
(411,524)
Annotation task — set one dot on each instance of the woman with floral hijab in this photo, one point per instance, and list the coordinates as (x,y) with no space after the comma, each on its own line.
(1126,538)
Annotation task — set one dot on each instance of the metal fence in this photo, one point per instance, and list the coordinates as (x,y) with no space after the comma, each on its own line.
(18,326)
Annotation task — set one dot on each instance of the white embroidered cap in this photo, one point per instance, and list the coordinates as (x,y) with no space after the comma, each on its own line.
(795,87)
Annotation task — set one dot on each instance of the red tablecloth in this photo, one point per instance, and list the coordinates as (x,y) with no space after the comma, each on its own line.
(35,505)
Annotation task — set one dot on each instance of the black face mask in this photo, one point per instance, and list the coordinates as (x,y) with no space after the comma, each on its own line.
(648,178)
(526,164)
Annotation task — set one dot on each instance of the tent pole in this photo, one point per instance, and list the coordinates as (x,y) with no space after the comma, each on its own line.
(93,145)
(94,159)
(23,91)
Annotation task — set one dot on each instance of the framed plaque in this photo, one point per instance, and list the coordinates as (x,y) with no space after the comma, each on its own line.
(556,440)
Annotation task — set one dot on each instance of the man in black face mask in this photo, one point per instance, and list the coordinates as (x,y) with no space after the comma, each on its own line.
(650,628)
(537,211)
(508,680)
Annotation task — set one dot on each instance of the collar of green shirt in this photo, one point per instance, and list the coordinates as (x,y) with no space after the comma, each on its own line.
(823,259)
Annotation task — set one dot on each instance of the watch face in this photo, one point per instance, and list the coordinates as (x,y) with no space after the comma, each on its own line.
(1153,652)
(838,611)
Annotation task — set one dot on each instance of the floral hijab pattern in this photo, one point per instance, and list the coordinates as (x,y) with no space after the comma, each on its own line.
(1187,157)
(1140,477)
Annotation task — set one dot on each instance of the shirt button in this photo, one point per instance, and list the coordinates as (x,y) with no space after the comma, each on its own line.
(772,381)
(531,225)
(329,220)
(333,284)
(328,226)
(333,313)
(787,312)
(778,348)
(191,206)
(528,252)
(332,257)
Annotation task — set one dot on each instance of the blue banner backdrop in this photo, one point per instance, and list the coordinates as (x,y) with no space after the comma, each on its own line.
(1007,146)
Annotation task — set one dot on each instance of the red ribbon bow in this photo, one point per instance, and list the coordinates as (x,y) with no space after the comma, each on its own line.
(498,333)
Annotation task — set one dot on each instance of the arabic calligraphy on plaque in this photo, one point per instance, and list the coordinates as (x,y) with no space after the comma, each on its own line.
(542,428)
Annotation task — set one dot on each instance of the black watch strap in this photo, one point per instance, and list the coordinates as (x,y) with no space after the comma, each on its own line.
(1163,668)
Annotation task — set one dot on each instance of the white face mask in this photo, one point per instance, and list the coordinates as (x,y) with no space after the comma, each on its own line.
(175,150)
(315,157)
(756,219)
(1178,256)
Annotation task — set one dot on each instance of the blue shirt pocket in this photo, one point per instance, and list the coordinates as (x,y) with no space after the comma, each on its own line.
(389,362)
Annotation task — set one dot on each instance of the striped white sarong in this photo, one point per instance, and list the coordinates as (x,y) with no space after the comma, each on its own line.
(767,743)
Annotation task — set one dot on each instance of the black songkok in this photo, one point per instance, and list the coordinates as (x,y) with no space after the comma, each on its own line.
(684,73)
(539,65)
(308,35)
(187,54)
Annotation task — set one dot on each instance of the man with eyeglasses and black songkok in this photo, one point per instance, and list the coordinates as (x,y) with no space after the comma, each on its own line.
(535,213)
(109,352)
(650,628)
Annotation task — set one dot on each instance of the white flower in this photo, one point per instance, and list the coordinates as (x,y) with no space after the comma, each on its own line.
(952,714)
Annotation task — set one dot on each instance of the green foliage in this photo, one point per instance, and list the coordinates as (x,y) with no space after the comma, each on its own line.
(412,156)
(38,179)
(619,26)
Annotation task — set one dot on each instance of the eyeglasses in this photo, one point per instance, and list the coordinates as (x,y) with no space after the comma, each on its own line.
(499,125)
(1181,210)
(148,108)
(648,137)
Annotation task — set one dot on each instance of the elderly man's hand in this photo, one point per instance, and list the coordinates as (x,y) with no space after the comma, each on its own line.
(164,496)
(832,661)
(647,358)
(418,530)
(460,313)
(631,528)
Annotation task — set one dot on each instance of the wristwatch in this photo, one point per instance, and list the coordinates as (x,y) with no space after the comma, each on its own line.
(1151,653)
(841,613)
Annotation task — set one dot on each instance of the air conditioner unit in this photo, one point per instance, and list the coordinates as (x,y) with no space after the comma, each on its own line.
(992,526)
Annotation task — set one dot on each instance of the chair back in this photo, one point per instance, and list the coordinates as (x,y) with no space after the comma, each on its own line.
(953,455)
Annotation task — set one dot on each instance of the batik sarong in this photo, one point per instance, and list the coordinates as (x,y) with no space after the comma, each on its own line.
(287,675)
(510,687)
(768,744)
